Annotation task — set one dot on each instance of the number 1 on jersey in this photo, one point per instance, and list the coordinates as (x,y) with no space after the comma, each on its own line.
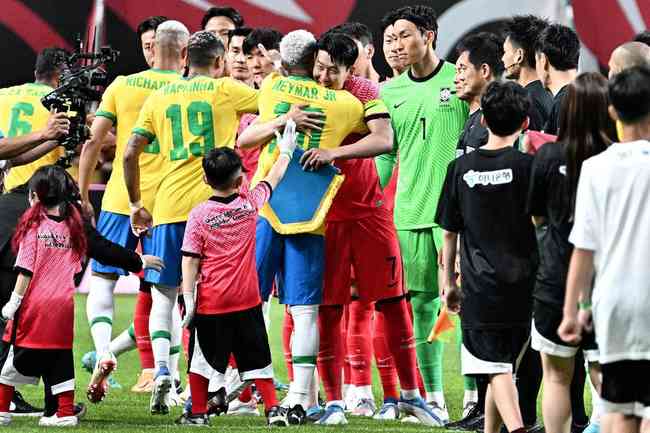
(424,128)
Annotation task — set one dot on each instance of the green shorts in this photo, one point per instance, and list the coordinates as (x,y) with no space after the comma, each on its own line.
(419,250)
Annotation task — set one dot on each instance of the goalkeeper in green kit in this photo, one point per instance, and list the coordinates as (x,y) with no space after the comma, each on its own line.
(427,119)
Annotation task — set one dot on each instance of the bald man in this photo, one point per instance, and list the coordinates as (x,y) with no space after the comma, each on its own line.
(628,55)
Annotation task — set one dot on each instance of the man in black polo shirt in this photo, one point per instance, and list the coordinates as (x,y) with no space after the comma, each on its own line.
(484,200)
(557,51)
(519,62)
(478,64)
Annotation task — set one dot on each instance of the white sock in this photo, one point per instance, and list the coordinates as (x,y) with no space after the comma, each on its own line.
(470,397)
(160,321)
(217,381)
(99,309)
(304,350)
(365,391)
(436,397)
(176,341)
(410,394)
(266,312)
(313,390)
(123,342)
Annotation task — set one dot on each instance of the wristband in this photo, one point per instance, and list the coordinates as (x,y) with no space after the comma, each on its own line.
(584,305)
(136,206)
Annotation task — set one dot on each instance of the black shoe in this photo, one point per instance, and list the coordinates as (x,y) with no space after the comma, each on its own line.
(472,422)
(217,404)
(277,416)
(79,410)
(296,415)
(194,420)
(19,407)
(536,428)
(179,386)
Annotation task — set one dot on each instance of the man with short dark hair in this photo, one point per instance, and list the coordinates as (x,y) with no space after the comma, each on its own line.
(362,36)
(146,33)
(220,21)
(427,119)
(235,57)
(479,63)
(497,261)
(259,64)
(557,52)
(520,65)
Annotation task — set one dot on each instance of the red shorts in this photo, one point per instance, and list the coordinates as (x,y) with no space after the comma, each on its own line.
(371,247)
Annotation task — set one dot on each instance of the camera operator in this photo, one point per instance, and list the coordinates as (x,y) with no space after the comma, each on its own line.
(31,130)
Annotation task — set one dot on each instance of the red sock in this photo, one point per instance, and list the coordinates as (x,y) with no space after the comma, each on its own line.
(330,352)
(347,371)
(246,395)
(423,391)
(66,404)
(141,326)
(6,394)
(398,329)
(267,391)
(360,343)
(384,359)
(287,330)
(199,392)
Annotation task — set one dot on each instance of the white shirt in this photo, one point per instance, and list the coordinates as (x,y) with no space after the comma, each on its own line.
(612,218)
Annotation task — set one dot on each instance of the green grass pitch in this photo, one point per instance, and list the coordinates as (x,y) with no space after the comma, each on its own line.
(125,412)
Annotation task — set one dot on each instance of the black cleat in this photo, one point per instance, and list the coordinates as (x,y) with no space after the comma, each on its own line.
(19,407)
(79,410)
(217,403)
(277,416)
(472,422)
(193,420)
(296,415)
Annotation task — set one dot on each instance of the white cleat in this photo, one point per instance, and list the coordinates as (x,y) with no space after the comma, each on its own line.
(55,421)
(5,418)
(240,408)
(334,415)
(365,407)
(441,412)
(410,419)
(388,411)
(161,388)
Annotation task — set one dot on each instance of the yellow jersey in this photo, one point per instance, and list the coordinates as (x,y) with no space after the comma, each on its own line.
(344,115)
(188,118)
(121,104)
(21,113)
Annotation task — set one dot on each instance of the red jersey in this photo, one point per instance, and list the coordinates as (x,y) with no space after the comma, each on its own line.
(221,232)
(249,157)
(360,195)
(45,319)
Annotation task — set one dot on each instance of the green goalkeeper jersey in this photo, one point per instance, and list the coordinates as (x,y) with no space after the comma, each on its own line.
(428,119)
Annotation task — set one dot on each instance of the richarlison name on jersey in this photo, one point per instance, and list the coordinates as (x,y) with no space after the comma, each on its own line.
(297,89)
(145,83)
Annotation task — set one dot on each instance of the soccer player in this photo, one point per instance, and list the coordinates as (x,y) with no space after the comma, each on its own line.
(146,33)
(628,55)
(178,119)
(362,36)
(551,201)
(258,62)
(484,201)
(360,234)
(557,51)
(427,119)
(235,57)
(220,21)
(479,63)
(22,112)
(520,65)
(396,64)
(219,246)
(298,259)
(612,193)
(120,106)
